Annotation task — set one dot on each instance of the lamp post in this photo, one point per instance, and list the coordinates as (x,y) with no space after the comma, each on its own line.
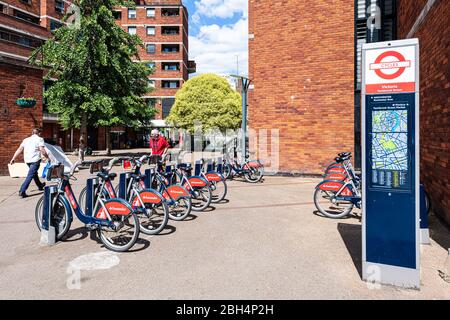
(245,84)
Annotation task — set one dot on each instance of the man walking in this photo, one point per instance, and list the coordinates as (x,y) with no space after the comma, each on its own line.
(33,150)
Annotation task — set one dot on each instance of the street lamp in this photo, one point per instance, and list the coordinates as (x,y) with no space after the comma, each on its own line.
(245,84)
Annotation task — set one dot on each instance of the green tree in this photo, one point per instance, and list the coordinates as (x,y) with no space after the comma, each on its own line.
(99,82)
(209,100)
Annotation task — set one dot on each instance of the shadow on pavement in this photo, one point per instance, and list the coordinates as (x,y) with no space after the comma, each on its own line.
(81,231)
(167,230)
(351,234)
(439,231)
(190,217)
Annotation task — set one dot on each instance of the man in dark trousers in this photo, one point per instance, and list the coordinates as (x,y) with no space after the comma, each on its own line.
(33,149)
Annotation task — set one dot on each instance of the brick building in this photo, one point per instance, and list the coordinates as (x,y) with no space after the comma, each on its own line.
(301,62)
(163,27)
(305,65)
(428,20)
(26,24)
(20,32)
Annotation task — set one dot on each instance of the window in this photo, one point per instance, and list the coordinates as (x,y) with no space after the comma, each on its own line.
(171,84)
(26,1)
(151,31)
(151,13)
(117,15)
(170,12)
(151,48)
(151,102)
(131,13)
(59,6)
(27,17)
(170,48)
(167,104)
(151,65)
(54,25)
(132,30)
(171,66)
(19,39)
(152,83)
(172,30)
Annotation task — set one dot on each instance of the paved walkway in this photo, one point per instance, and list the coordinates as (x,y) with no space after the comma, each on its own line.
(265,243)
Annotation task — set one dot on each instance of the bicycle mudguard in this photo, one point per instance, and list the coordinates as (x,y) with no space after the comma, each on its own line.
(176,192)
(148,196)
(116,207)
(336,169)
(197,182)
(214,176)
(333,185)
(336,177)
(252,164)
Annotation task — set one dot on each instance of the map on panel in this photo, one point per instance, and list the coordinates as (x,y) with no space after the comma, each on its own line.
(390,140)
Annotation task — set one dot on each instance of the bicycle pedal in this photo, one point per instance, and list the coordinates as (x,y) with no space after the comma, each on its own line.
(91,227)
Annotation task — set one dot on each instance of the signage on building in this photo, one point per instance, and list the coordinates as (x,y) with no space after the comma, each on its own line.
(390,121)
(390,70)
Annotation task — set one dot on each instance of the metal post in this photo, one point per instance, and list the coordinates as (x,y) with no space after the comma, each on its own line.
(245,83)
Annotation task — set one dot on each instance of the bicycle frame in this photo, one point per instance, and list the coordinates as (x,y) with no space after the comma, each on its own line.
(67,195)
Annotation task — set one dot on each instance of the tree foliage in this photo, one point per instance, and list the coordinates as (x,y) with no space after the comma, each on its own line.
(98,81)
(209,100)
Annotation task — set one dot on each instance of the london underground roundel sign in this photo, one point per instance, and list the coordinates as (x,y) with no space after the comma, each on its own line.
(390,70)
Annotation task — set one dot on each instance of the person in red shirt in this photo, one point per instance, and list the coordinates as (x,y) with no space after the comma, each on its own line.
(158,144)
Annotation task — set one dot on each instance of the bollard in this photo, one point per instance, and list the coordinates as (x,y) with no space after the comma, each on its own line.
(124,180)
(48,232)
(198,168)
(149,178)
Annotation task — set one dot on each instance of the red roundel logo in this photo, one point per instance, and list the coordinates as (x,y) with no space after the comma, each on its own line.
(380,67)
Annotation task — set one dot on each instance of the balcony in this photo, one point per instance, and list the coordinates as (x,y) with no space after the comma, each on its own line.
(192,66)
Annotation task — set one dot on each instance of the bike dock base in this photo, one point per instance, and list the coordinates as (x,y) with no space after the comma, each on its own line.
(48,231)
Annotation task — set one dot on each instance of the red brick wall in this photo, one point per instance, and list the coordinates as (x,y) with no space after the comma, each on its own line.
(433,36)
(302,66)
(16,123)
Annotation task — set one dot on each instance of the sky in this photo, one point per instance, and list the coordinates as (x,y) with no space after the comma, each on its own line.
(218,35)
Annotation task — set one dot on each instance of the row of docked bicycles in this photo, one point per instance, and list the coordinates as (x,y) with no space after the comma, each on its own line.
(140,202)
(340,191)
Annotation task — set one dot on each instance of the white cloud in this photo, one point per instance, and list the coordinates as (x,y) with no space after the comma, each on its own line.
(221,8)
(216,48)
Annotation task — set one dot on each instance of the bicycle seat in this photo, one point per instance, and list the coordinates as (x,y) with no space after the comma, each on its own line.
(184,166)
(138,177)
(344,154)
(106,176)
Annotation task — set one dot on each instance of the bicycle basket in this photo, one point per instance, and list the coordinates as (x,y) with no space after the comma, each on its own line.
(55,172)
(96,166)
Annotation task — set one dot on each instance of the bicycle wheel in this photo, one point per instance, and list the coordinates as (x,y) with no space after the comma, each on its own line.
(201,198)
(123,236)
(330,207)
(427,203)
(154,219)
(253,175)
(181,209)
(219,190)
(82,199)
(60,217)
(226,171)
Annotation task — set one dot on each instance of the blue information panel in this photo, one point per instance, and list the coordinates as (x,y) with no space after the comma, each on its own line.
(390,177)
(390,163)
